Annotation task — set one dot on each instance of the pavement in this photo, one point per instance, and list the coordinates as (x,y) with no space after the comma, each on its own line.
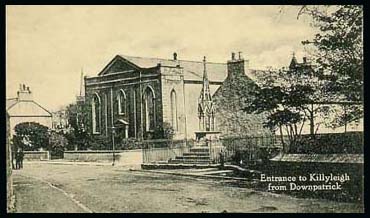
(88,188)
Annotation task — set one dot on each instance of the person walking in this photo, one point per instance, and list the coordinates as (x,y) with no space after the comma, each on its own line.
(13,158)
(21,155)
(17,159)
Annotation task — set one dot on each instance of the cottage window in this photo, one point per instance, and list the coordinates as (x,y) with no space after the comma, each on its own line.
(96,113)
(173,110)
(121,98)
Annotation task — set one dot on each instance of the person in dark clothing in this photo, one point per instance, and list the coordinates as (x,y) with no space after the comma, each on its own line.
(13,159)
(17,159)
(222,158)
(21,155)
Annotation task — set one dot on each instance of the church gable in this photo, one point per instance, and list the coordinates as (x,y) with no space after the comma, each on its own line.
(118,64)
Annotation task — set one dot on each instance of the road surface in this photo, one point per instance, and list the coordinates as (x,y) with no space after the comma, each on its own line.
(43,187)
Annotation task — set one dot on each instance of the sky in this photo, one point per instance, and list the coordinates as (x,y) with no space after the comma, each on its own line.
(47,47)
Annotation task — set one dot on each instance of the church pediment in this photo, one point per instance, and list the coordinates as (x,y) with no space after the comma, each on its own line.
(118,64)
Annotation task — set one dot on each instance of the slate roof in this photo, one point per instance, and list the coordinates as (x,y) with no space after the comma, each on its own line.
(320,158)
(193,70)
(25,108)
(10,102)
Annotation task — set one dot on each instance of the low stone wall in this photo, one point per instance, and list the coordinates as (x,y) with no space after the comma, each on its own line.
(36,155)
(122,157)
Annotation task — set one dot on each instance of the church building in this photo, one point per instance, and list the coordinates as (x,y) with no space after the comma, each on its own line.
(138,95)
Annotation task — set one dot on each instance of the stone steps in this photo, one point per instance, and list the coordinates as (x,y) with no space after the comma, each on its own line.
(196,155)
(190,161)
(199,149)
(199,154)
(192,157)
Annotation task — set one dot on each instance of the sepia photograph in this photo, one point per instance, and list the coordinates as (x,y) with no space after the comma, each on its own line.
(184,109)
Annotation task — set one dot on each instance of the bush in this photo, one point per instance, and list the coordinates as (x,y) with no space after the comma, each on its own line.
(58,144)
(31,136)
(128,144)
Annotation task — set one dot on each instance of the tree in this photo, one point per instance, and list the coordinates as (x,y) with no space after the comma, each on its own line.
(57,144)
(338,51)
(286,95)
(31,136)
(78,117)
(168,131)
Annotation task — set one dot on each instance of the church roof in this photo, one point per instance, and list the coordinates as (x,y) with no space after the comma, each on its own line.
(25,108)
(193,70)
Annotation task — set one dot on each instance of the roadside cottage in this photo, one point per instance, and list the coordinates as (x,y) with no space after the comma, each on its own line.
(24,109)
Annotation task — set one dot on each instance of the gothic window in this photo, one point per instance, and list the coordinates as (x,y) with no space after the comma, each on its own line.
(122,104)
(149,109)
(96,113)
(173,110)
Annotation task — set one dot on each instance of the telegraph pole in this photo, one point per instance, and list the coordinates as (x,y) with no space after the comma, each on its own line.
(113,128)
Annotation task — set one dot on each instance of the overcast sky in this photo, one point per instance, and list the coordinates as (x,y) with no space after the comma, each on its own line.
(48,45)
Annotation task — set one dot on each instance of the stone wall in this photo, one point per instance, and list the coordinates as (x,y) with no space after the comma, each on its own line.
(172,80)
(9,179)
(122,157)
(230,100)
(36,155)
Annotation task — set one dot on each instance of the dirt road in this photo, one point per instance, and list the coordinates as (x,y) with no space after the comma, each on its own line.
(71,188)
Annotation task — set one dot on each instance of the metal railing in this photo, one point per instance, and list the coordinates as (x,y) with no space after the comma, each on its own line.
(163,150)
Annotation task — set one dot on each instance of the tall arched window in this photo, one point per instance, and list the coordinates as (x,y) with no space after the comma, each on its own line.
(149,109)
(173,109)
(96,113)
(121,98)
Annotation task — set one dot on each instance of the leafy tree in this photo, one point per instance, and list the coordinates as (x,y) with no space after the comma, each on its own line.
(165,131)
(286,96)
(168,131)
(338,51)
(78,117)
(31,136)
(57,144)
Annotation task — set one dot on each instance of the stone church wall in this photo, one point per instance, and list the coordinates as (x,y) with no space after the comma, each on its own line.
(173,80)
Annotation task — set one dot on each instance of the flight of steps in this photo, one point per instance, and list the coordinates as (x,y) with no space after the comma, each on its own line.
(196,155)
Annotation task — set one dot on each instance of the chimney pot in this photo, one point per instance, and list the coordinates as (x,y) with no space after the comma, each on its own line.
(305,60)
(232,55)
(240,55)
(175,56)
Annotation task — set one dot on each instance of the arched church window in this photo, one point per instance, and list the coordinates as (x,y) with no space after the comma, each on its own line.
(173,110)
(149,109)
(122,103)
(96,113)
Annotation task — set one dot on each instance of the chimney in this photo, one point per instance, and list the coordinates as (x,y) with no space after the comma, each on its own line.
(236,67)
(232,56)
(24,93)
(305,60)
(175,56)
